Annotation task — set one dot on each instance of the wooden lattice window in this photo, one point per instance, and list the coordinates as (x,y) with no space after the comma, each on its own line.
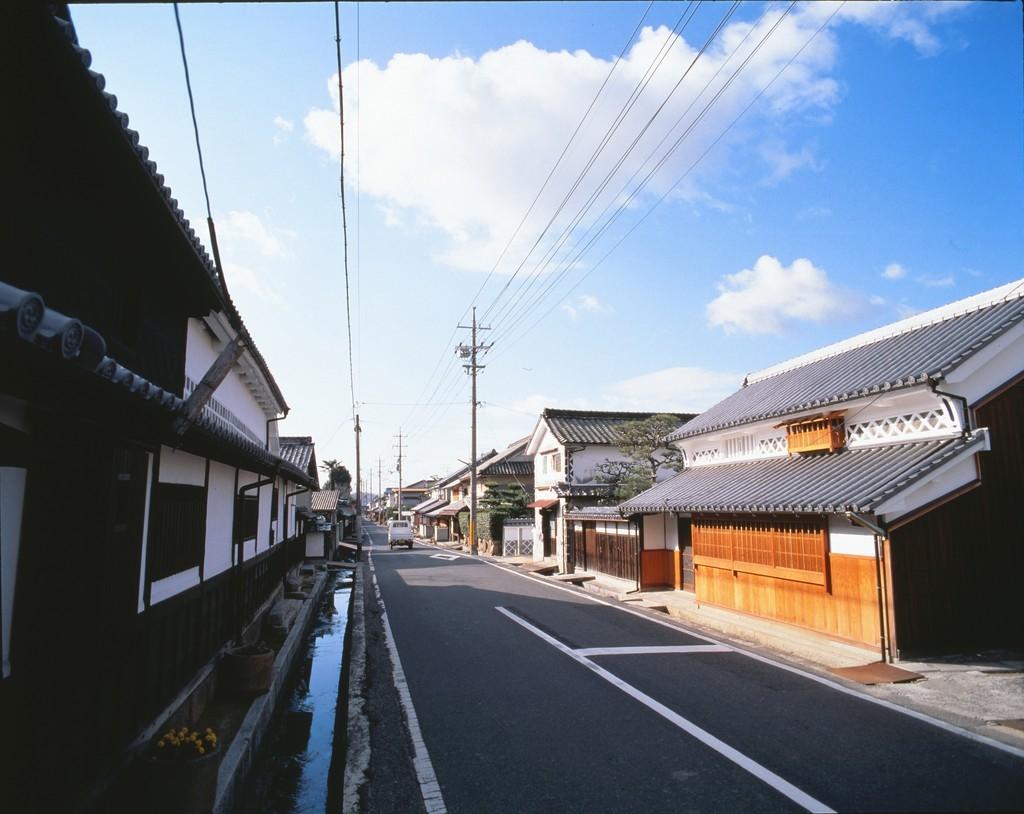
(248,516)
(790,548)
(177,529)
(818,434)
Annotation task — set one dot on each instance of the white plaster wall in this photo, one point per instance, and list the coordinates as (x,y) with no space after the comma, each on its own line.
(655,528)
(585,461)
(173,585)
(200,353)
(946,479)
(12,501)
(150,460)
(263,528)
(220,515)
(992,367)
(847,538)
(548,444)
(181,467)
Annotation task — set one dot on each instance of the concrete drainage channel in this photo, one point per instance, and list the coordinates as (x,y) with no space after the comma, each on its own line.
(301,758)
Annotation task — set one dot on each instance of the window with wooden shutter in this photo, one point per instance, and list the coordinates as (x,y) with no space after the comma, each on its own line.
(177,529)
(791,548)
(818,434)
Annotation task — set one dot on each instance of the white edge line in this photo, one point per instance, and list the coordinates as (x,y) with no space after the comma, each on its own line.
(910,713)
(783,787)
(654,650)
(429,787)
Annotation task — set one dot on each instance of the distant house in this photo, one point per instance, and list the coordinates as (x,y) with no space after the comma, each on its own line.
(177,517)
(567,447)
(412,494)
(869,490)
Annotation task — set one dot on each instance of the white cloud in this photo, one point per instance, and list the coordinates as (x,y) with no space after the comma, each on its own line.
(763,299)
(436,140)
(587,303)
(674,389)
(782,162)
(814,212)
(284,127)
(247,229)
(901,21)
(936,280)
(894,271)
(246,279)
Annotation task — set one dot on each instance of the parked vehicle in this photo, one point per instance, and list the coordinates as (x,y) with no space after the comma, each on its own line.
(399,533)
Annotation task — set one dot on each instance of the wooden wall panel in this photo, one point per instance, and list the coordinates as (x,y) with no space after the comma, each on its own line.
(956,570)
(657,568)
(847,611)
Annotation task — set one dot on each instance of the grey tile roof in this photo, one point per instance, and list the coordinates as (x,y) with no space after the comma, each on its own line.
(594,426)
(594,513)
(297,450)
(909,358)
(109,100)
(515,468)
(326,500)
(426,505)
(851,480)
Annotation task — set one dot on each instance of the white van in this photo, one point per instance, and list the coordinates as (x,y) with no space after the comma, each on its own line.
(399,533)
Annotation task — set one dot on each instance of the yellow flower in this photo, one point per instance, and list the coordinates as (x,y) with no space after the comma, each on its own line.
(202,751)
(160,745)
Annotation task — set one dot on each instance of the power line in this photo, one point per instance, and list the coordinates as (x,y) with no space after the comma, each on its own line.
(199,151)
(533,204)
(344,218)
(680,179)
(567,231)
(568,263)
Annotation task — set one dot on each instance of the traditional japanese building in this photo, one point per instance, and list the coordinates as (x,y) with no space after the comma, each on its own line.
(869,490)
(147,514)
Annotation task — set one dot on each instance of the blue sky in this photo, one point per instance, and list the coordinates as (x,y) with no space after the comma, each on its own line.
(880,174)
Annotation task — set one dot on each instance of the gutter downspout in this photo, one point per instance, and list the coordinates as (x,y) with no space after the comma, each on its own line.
(880,534)
(287,495)
(266,433)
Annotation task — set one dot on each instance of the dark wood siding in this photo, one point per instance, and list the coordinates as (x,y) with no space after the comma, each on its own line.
(957,569)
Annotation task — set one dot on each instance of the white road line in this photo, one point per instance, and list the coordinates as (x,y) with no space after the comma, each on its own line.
(782,786)
(654,650)
(448,557)
(832,685)
(429,788)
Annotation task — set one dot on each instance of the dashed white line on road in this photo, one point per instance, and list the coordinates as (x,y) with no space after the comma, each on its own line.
(784,787)
(448,557)
(429,788)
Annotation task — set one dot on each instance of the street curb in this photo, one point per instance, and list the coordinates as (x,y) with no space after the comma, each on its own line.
(241,754)
(357,750)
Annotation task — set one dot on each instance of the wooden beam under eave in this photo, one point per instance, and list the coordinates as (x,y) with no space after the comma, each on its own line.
(204,390)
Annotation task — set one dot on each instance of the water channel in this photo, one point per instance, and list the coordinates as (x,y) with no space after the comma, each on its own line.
(292,773)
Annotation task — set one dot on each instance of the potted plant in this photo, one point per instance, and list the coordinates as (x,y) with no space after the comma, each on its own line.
(181,771)
(247,670)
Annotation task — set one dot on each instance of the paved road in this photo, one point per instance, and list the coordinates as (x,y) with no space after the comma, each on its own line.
(527,701)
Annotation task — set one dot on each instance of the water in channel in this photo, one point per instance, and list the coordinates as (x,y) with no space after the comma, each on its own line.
(292,770)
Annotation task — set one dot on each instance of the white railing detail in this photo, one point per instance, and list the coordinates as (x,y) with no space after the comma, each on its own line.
(908,426)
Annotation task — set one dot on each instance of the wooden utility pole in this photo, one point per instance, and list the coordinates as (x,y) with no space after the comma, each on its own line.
(470,352)
(359,493)
(399,437)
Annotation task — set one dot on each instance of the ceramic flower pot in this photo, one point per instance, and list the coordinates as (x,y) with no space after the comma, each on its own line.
(247,670)
(181,786)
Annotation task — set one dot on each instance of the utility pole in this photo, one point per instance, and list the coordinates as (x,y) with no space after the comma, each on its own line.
(359,495)
(380,466)
(399,437)
(470,352)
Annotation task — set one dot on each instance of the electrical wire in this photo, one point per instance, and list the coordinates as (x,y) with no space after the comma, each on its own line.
(192,107)
(511,341)
(344,218)
(569,263)
(547,180)
(567,231)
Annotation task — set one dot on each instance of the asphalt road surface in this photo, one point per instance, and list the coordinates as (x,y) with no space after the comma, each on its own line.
(531,698)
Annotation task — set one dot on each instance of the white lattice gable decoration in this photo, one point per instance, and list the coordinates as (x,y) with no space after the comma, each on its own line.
(905,427)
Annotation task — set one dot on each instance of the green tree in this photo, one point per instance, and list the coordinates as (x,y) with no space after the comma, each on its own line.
(338,477)
(501,501)
(643,444)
